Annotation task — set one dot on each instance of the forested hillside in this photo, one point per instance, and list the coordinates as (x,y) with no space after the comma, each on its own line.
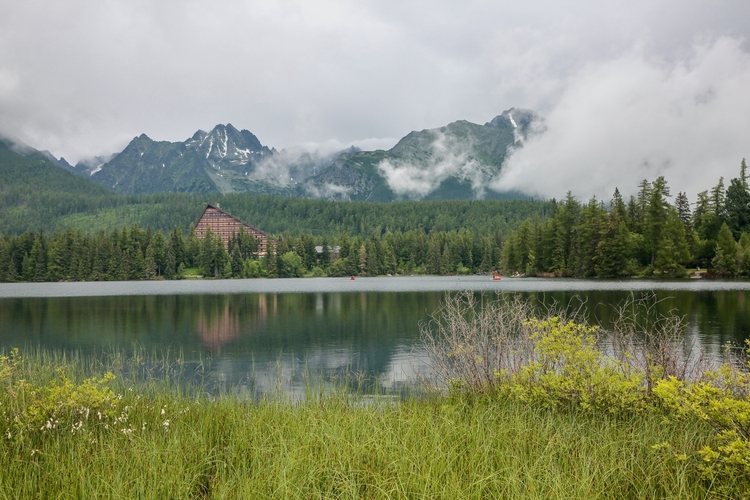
(39,196)
(647,235)
(33,192)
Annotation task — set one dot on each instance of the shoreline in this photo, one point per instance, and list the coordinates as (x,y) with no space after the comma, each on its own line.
(385,284)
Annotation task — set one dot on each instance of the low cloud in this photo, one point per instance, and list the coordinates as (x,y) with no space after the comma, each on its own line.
(293,165)
(328,190)
(333,146)
(635,118)
(448,157)
(289,166)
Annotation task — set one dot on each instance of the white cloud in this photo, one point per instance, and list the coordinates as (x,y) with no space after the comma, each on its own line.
(296,164)
(637,117)
(328,190)
(448,156)
(82,77)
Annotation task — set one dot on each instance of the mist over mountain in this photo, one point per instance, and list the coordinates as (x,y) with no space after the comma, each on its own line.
(457,161)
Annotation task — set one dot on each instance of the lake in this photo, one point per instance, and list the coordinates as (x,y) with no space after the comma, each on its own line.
(255,334)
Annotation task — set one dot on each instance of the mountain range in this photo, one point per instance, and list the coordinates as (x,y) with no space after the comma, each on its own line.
(456,161)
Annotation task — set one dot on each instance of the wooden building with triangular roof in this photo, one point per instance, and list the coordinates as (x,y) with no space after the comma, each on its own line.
(225,225)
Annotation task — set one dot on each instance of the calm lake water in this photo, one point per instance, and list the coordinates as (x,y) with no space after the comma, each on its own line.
(254,333)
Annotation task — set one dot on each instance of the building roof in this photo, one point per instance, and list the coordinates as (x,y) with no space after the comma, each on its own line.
(216,207)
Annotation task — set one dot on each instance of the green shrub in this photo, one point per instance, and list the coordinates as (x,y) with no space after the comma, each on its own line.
(721,400)
(252,268)
(58,405)
(317,272)
(570,370)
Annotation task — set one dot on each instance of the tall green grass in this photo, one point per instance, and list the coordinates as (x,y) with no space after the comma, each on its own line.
(157,439)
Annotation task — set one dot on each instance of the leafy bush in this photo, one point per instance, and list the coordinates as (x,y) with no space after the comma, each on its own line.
(569,370)
(58,405)
(252,268)
(721,400)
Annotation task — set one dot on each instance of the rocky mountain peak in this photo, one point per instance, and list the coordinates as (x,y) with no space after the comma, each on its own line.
(226,147)
(516,119)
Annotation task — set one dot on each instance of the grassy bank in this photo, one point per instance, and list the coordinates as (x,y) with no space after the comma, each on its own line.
(526,403)
(69,436)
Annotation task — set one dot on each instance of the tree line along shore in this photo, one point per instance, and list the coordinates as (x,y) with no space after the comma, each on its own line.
(647,236)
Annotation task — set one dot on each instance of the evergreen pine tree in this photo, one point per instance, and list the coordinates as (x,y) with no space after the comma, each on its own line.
(28,268)
(169,264)
(102,252)
(362,260)
(743,174)
(434,255)
(373,257)
(176,244)
(38,257)
(325,254)
(208,255)
(270,260)
(344,246)
(613,250)
(193,249)
(682,205)
(159,248)
(486,264)
(737,207)
(150,267)
(11,275)
(632,220)
(237,260)
(4,260)
(673,251)
(138,269)
(717,199)
(743,253)
(390,259)
(525,246)
(226,265)
(446,260)
(724,262)
(656,216)
(642,202)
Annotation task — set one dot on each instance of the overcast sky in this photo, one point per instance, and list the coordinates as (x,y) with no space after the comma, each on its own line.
(629,89)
